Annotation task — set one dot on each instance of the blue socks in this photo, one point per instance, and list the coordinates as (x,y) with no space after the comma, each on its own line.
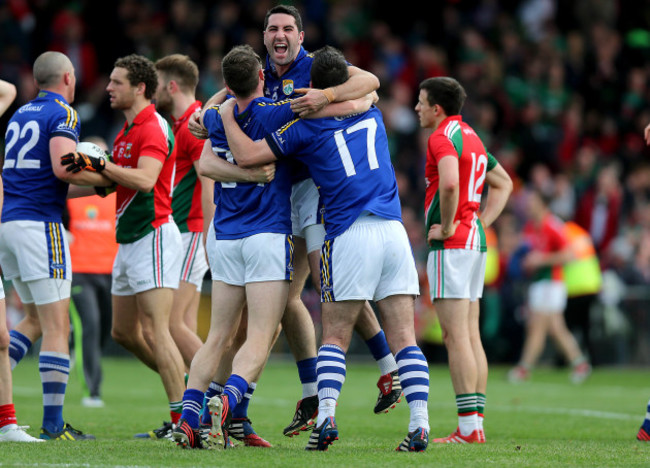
(54,369)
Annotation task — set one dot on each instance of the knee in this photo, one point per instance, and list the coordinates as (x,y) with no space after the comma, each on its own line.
(122,337)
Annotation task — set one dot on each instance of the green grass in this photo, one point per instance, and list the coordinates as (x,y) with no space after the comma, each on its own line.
(546,422)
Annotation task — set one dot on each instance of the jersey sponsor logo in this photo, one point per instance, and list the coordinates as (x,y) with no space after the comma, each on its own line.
(30,108)
(123,152)
(64,126)
(287,87)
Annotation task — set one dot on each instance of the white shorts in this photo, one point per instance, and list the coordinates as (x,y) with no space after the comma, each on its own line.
(194,263)
(151,262)
(547,297)
(371,260)
(456,274)
(42,291)
(260,257)
(306,208)
(33,250)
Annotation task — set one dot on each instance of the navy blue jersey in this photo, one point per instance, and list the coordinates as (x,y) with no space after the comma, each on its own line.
(282,87)
(245,209)
(31,190)
(349,161)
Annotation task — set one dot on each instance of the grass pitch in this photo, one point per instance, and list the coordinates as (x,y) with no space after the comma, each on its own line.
(546,422)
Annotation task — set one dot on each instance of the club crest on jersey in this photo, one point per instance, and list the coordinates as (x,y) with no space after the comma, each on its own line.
(127,152)
(287,87)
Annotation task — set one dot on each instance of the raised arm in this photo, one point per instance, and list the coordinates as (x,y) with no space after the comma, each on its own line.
(358,85)
(7,95)
(216,168)
(500,189)
(247,153)
(340,109)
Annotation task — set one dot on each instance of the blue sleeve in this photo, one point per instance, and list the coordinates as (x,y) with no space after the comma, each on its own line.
(278,114)
(211,117)
(288,140)
(66,124)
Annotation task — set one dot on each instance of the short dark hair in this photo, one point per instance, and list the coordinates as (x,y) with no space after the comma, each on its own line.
(446,92)
(140,70)
(329,68)
(180,68)
(286,10)
(240,68)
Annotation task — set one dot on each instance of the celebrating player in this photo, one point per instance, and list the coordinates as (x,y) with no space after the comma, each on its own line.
(366,254)
(287,75)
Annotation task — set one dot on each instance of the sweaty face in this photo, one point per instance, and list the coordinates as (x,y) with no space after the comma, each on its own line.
(162,97)
(120,91)
(282,38)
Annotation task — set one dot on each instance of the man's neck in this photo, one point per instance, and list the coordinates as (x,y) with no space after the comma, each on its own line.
(282,69)
(138,106)
(182,102)
(242,103)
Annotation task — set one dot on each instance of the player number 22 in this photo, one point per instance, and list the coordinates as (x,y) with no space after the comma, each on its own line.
(20,162)
(344,152)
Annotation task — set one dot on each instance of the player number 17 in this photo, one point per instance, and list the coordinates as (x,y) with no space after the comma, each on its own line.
(344,152)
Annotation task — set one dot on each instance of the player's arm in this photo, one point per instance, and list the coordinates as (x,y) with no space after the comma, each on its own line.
(500,185)
(646,134)
(359,83)
(247,153)
(220,170)
(340,109)
(60,146)
(142,178)
(7,95)
(207,200)
(195,123)
(448,189)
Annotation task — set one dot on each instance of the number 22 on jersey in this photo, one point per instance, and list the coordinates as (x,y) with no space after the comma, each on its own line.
(29,129)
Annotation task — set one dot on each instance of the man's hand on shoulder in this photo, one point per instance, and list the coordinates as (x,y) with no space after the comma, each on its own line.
(195,127)
(312,101)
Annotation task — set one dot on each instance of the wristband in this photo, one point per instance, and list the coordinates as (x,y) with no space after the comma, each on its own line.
(329,95)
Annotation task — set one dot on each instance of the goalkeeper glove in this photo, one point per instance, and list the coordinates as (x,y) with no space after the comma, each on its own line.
(81,161)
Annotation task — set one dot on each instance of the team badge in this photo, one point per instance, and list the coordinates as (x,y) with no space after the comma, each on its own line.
(287,87)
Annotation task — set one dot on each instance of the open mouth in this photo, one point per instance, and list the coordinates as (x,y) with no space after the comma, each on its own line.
(281,48)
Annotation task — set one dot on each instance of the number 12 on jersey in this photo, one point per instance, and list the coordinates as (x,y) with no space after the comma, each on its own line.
(476,177)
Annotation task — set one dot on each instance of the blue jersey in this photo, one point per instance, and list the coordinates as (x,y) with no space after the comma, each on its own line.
(245,209)
(349,161)
(282,87)
(31,190)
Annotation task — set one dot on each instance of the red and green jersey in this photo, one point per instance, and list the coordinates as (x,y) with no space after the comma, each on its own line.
(186,202)
(140,213)
(547,237)
(455,138)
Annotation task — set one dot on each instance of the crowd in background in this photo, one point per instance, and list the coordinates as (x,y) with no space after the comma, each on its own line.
(556,90)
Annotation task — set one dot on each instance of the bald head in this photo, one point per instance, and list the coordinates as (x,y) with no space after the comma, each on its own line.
(49,69)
